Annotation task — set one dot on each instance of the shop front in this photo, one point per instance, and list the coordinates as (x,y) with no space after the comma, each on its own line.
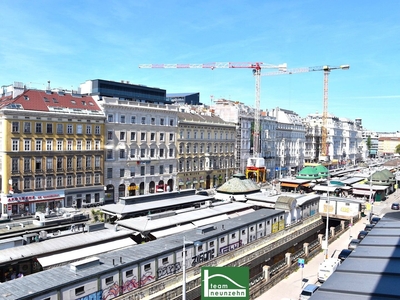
(26,204)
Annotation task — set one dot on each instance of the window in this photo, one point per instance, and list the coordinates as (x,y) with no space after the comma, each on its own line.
(211,244)
(27,145)
(161,151)
(59,163)
(59,145)
(133,136)
(133,120)
(79,163)
(49,163)
(171,137)
(88,129)
(121,153)
(109,154)
(14,165)
(96,145)
(109,280)
(49,145)
(69,163)
(79,145)
(79,179)
(97,162)
(88,145)
(152,152)
(129,273)
(15,127)
(27,164)
(38,182)
(79,129)
(162,122)
(121,172)
(109,135)
(69,180)
(165,261)
(153,121)
(27,183)
(110,118)
(151,170)
(171,152)
(109,172)
(97,130)
(122,136)
(122,119)
(162,135)
(142,153)
(170,169)
(38,127)
(96,179)
(132,153)
(152,136)
(60,128)
(79,290)
(60,181)
(188,134)
(69,145)
(161,169)
(222,240)
(27,127)
(38,146)
(143,136)
(49,128)
(171,122)
(70,129)
(143,120)
(49,182)
(88,162)
(142,170)
(147,267)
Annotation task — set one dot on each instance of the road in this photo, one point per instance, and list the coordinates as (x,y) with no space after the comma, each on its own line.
(291,287)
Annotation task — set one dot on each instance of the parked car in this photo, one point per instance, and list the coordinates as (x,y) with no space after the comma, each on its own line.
(353,244)
(375,220)
(362,234)
(369,227)
(308,291)
(343,254)
(395,206)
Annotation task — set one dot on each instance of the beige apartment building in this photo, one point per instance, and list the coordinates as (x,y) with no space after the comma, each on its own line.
(51,153)
(205,149)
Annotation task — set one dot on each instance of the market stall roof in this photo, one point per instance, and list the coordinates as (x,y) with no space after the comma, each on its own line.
(325,188)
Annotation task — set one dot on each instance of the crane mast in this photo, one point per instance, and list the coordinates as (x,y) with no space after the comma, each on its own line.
(324,130)
(255,165)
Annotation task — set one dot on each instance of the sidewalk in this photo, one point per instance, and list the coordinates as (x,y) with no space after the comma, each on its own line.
(291,287)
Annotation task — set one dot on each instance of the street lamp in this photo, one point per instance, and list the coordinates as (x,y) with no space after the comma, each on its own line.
(196,244)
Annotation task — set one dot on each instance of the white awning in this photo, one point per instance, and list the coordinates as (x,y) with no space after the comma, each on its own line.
(54,260)
(325,188)
(210,220)
(362,192)
(161,233)
(261,203)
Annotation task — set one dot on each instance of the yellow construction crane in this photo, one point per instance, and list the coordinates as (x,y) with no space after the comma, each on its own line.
(324,156)
(255,165)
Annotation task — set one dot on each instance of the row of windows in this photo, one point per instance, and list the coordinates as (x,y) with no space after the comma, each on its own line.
(123,136)
(49,128)
(58,163)
(131,172)
(199,165)
(201,136)
(143,120)
(142,153)
(48,145)
(200,148)
(41,182)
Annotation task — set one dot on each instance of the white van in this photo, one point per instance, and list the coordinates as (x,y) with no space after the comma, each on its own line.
(326,268)
(308,291)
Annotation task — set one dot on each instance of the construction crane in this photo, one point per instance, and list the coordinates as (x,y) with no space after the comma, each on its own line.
(255,165)
(324,157)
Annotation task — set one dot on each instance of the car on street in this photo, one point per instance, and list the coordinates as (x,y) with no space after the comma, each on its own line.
(369,227)
(343,254)
(375,220)
(395,206)
(353,244)
(308,291)
(362,234)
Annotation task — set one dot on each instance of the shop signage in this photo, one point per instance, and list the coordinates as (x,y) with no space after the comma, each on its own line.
(34,198)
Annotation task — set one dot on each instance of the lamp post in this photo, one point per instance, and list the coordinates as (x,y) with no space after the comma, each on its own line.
(327,221)
(197,243)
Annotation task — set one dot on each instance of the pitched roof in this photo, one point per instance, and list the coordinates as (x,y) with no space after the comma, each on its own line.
(39,100)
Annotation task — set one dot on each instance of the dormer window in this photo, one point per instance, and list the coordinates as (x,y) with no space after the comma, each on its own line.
(26,97)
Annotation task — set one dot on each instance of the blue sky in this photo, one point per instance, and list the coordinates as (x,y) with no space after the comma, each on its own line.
(69,42)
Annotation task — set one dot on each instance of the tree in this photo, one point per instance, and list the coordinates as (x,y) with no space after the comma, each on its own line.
(397,149)
(369,146)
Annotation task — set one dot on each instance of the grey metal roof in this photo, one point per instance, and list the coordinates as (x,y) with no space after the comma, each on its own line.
(143,224)
(22,288)
(372,270)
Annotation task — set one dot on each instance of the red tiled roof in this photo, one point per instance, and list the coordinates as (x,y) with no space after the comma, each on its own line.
(41,100)
(4,101)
